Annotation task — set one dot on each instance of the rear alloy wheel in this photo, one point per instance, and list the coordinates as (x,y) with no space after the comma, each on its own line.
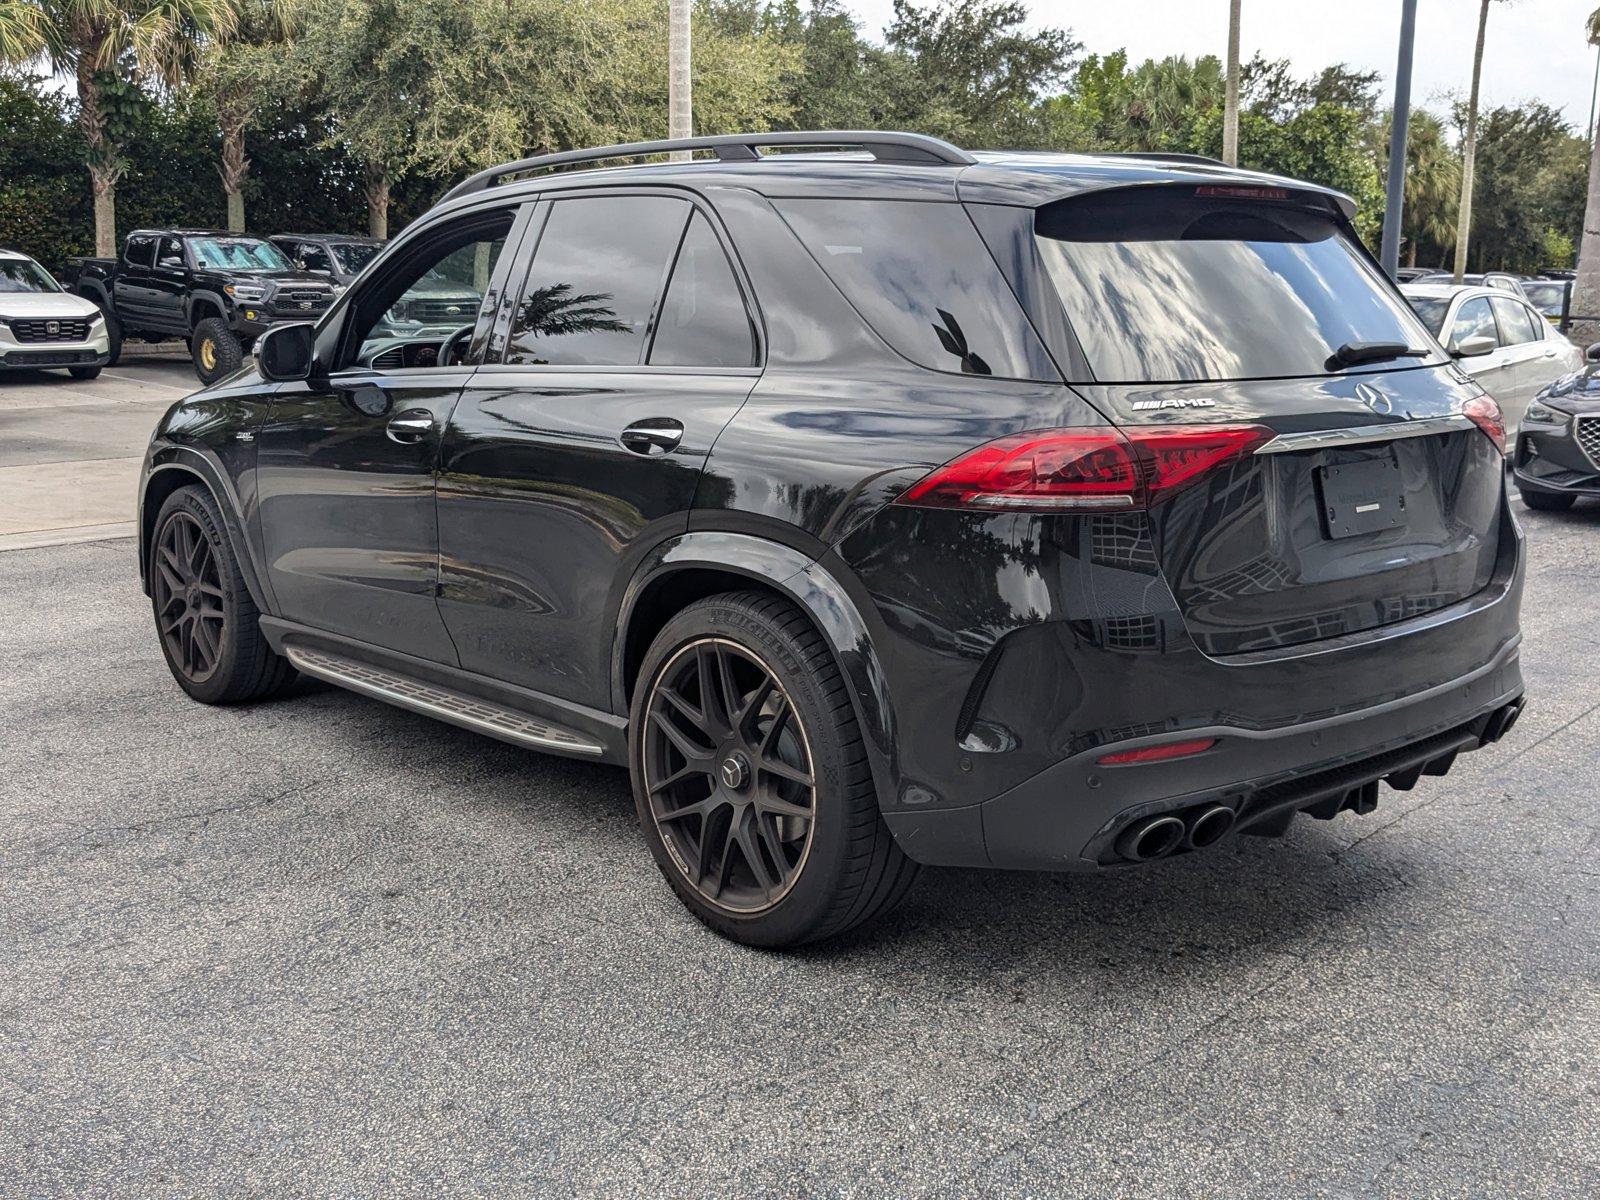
(207,622)
(215,349)
(751,778)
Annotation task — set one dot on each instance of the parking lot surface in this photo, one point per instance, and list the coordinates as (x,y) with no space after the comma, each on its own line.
(322,946)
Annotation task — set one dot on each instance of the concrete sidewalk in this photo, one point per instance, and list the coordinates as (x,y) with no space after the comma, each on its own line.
(70,450)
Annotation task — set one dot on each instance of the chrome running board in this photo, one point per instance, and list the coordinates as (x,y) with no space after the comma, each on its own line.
(470,712)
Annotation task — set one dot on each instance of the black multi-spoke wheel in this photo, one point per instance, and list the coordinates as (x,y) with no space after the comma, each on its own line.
(207,622)
(751,779)
(728,773)
(188,597)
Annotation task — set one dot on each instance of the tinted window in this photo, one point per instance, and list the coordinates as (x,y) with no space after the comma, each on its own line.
(1474,319)
(353,256)
(141,251)
(1517,323)
(595,279)
(1431,309)
(1166,284)
(920,275)
(1546,295)
(170,254)
(315,258)
(703,322)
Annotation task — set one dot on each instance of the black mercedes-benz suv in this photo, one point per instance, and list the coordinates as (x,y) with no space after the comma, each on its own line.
(876,503)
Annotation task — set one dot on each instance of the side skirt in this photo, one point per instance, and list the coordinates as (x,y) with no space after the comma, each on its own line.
(515,715)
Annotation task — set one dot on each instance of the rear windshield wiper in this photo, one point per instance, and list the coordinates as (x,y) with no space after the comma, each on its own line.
(1354,353)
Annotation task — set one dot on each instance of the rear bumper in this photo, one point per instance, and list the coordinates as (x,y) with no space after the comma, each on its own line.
(1071,816)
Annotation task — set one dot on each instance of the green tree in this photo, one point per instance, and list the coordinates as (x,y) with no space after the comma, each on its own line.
(107,45)
(1586,289)
(22,35)
(239,71)
(1433,184)
(1530,164)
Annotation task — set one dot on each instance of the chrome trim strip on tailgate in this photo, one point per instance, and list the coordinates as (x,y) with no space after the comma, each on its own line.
(1360,435)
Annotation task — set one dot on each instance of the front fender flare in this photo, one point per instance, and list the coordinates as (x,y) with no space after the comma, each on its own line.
(169,456)
(820,592)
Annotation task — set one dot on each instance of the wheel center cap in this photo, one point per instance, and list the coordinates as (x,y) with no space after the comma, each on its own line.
(735,771)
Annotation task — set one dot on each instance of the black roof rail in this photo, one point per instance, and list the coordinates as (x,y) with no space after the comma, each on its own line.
(735,148)
(1161,156)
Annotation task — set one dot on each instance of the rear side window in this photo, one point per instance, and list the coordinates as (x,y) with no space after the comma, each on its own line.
(920,275)
(1177,285)
(1516,322)
(594,281)
(140,252)
(704,322)
(1474,319)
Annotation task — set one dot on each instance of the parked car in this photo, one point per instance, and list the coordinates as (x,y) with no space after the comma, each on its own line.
(42,326)
(1556,459)
(891,506)
(1407,274)
(1552,297)
(339,257)
(1500,281)
(217,291)
(1501,341)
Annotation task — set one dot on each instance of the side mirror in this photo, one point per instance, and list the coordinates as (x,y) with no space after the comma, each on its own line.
(299,264)
(1592,354)
(287,352)
(1472,347)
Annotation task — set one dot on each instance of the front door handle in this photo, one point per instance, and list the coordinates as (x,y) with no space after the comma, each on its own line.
(653,435)
(411,426)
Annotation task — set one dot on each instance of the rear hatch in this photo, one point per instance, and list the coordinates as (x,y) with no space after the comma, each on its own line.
(1370,491)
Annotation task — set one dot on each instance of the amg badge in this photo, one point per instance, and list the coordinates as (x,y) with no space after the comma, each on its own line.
(1175,402)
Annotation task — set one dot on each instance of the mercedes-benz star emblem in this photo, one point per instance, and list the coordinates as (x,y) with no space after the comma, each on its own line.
(1374,398)
(733,771)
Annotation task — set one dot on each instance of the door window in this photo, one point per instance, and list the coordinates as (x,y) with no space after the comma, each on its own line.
(316,258)
(421,313)
(592,288)
(1516,322)
(170,256)
(1474,319)
(704,322)
(140,251)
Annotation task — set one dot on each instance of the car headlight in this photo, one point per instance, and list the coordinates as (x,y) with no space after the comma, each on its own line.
(246,291)
(1539,414)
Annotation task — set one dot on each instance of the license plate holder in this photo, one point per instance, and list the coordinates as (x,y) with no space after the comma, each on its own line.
(1361,496)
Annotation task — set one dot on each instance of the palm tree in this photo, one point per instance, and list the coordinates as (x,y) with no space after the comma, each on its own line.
(21,31)
(1586,291)
(1469,148)
(243,65)
(1433,182)
(96,41)
(1230,103)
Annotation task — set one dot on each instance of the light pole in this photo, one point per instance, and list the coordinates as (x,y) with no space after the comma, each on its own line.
(1394,207)
(680,112)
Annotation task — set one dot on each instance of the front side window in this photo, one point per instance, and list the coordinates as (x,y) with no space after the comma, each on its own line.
(25,275)
(703,321)
(315,258)
(594,281)
(353,256)
(170,254)
(919,274)
(1517,323)
(237,254)
(1187,284)
(1474,319)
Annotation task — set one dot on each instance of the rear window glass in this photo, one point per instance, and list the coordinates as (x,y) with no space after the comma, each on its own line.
(919,274)
(1169,285)
(1431,310)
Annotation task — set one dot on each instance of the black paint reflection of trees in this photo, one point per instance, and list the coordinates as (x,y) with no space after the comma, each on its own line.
(555,311)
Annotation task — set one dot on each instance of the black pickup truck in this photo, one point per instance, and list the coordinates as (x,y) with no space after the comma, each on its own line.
(217,291)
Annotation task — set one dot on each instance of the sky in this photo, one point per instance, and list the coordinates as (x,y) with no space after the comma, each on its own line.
(1534,50)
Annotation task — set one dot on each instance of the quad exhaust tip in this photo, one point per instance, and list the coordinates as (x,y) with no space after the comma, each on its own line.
(1208,825)
(1152,838)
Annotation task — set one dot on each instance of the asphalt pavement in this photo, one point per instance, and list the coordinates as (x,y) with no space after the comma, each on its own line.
(321,946)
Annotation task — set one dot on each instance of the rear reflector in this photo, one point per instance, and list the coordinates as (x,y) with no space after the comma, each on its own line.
(1160,753)
(1094,468)
(1486,415)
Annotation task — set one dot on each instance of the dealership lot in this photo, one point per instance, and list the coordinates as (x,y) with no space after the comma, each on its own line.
(322,945)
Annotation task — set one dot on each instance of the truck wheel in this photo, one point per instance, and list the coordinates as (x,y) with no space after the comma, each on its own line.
(84,372)
(215,349)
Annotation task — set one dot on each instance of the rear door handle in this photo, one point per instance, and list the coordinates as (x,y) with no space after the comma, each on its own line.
(411,426)
(653,435)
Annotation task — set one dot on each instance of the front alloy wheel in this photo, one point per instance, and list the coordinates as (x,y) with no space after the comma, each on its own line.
(188,598)
(728,775)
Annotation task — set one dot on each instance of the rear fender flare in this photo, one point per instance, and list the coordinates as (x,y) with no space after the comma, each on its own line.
(811,586)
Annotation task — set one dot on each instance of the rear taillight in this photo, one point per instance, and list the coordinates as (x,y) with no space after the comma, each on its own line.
(1486,415)
(1089,469)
